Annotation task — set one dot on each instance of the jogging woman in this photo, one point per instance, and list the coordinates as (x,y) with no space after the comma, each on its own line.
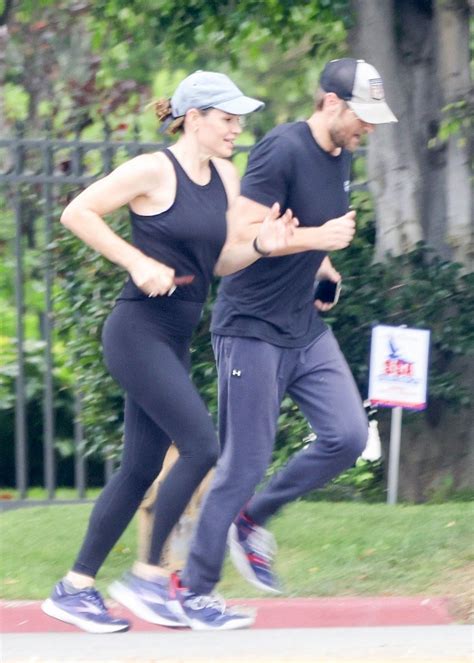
(181,236)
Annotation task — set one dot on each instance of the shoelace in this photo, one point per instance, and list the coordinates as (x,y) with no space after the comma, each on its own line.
(93,596)
(202,601)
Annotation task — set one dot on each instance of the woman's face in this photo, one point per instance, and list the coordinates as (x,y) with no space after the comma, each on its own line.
(217,131)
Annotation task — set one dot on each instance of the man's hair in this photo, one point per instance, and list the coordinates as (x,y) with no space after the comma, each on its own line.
(319,99)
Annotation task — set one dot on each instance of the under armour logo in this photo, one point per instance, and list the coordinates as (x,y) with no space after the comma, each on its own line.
(236,372)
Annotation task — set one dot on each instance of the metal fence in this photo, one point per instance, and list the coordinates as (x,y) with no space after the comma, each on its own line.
(34,175)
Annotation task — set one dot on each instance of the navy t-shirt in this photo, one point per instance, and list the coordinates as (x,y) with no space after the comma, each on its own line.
(272,299)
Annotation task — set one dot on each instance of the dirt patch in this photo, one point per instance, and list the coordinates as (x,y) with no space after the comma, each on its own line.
(458,586)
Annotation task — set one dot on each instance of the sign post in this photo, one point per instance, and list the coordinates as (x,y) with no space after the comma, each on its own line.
(394,455)
(398,379)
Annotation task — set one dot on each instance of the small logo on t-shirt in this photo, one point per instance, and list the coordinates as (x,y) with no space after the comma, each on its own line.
(236,372)
(347,186)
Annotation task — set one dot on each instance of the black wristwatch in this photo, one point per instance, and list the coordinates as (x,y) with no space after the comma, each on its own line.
(265,254)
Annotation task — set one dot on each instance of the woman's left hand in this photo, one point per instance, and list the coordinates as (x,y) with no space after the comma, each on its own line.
(275,230)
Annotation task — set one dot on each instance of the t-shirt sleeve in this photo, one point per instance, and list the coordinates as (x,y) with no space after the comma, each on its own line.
(267,177)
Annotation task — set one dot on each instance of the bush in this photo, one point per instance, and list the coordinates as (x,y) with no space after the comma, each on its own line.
(417,289)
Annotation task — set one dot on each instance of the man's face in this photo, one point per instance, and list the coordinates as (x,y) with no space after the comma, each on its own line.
(347,130)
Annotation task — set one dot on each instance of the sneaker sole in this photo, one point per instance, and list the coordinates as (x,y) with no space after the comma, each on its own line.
(241,563)
(127,598)
(52,610)
(198,625)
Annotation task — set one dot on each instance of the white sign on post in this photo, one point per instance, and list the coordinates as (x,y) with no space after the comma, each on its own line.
(398,379)
(399,367)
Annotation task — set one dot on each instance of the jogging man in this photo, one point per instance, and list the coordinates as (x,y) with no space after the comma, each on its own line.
(269,339)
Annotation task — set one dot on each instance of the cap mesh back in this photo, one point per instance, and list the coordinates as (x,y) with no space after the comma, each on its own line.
(338,76)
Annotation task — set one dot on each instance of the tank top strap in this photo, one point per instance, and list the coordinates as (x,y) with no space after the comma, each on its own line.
(180,172)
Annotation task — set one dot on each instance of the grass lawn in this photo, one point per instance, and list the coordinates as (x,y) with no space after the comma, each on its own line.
(325,549)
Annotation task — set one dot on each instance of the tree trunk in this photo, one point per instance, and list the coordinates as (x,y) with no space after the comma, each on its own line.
(452,39)
(421,48)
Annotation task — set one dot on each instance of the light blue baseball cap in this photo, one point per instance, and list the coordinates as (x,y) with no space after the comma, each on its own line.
(208,89)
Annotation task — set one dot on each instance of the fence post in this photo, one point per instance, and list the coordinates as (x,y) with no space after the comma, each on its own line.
(79,461)
(21,453)
(48,401)
(21,446)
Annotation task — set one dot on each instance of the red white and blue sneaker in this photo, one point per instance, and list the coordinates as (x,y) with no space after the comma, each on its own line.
(83,608)
(146,599)
(252,549)
(206,612)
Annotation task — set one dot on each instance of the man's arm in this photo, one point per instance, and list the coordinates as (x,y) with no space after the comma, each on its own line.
(333,235)
(272,231)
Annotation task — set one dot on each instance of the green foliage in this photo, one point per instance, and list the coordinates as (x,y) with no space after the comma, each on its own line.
(98,63)
(63,405)
(457,121)
(364,482)
(87,287)
(177,29)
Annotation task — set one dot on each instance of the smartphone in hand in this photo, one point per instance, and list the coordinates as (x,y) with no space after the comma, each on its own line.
(328,291)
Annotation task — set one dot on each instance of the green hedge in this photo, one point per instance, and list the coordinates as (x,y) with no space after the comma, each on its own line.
(416,289)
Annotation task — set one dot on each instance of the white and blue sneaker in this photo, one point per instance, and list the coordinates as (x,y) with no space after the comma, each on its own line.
(252,549)
(84,608)
(147,599)
(206,612)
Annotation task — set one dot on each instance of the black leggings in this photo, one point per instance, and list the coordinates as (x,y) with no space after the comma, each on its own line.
(151,362)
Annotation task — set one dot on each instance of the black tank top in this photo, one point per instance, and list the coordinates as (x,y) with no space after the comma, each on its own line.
(188,236)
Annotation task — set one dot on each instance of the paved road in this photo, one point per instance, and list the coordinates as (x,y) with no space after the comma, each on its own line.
(409,644)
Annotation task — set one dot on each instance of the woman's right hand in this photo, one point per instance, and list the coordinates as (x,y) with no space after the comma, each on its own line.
(152,277)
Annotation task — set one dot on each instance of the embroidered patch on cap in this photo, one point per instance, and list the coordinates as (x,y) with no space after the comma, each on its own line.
(376,89)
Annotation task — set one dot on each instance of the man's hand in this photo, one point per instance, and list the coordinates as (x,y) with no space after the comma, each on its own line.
(275,230)
(327,272)
(338,233)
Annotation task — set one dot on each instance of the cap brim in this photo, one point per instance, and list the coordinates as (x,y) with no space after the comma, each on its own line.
(373,113)
(240,105)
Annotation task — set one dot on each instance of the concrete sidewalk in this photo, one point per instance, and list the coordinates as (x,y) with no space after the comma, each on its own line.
(409,644)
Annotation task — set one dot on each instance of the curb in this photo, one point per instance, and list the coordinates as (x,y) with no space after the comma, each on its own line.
(27,617)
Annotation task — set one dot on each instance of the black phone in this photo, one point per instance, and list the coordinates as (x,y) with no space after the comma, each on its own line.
(328,291)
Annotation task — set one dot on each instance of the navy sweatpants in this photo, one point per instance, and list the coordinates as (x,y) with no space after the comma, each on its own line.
(253,378)
(146,348)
